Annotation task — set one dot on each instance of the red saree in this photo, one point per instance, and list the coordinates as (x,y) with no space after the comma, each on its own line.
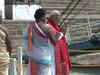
(61,53)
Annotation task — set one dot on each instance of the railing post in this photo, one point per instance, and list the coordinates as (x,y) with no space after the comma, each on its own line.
(89,26)
(19,61)
(13,70)
(68,36)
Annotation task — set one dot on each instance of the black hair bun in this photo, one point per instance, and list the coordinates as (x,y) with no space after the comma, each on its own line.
(39,13)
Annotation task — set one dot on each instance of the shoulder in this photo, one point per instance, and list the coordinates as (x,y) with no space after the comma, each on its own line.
(3,30)
(48,27)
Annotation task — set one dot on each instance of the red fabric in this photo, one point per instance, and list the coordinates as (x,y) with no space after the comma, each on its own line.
(30,34)
(61,53)
(30,38)
(33,68)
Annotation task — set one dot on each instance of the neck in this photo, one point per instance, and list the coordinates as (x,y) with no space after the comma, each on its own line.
(52,21)
(40,24)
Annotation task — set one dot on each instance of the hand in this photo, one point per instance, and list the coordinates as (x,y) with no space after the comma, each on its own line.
(64,28)
(59,35)
(64,62)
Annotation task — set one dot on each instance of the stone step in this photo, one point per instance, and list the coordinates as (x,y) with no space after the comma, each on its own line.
(76,41)
(14,26)
(16,22)
(80,39)
(80,25)
(16,43)
(16,37)
(94,16)
(75,21)
(61,4)
(85,25)
(78,30)
(60,1)
(47,2)
(15,33)
(62,8)
(15,29)
(69,1)
(92,22)
(82,29)
(78,33)
(97,34)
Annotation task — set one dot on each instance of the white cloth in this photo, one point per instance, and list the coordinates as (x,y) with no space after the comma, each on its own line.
(40,45)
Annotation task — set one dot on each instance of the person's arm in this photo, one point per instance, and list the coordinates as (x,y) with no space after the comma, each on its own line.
(50,34)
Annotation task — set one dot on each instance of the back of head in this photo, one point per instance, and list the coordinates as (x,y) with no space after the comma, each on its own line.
(55,16)
(54,13)
(39,14)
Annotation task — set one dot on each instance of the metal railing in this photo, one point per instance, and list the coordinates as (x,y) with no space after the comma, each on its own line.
(13,63)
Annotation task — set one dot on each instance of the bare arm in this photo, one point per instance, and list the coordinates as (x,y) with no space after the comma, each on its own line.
(50,34)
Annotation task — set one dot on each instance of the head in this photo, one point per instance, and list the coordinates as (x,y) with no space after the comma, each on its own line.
(40,15)
(55,15)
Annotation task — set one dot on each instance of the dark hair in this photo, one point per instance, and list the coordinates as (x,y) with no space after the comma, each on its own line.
(39,14)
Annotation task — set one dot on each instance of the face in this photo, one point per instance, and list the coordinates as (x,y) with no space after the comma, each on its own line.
(57,18)
(43,20)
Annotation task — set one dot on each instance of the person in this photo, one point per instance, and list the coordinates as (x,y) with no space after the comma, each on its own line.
(5,51)
(61,49)
(39,41)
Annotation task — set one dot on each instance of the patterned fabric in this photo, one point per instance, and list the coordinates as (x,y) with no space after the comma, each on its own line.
(40,50)
(4,56)
(4,70)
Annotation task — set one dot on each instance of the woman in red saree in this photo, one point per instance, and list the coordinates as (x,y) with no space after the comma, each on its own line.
(63,64)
